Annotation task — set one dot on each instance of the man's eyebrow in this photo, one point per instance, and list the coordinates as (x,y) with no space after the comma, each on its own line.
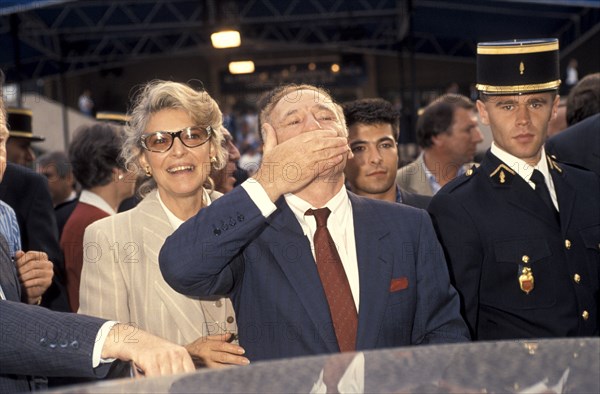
(357,142)
(505,102)
(288,113)
(324,107)
(537,100)
(386,138)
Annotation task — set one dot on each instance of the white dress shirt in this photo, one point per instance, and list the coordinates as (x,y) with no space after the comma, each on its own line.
(525,170)
(174,220)
(339,224)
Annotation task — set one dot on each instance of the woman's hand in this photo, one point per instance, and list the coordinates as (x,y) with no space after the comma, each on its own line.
(215,351)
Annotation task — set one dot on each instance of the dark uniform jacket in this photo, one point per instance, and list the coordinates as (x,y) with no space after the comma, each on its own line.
(493,225)
(579,144)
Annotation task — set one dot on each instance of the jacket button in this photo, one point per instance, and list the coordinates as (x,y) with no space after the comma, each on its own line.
(241,218)
(44,342)
(217,231)
(230,319)
(218,303)
(567,244)
(525,259)
(577,278)
(52,346)
(469,172)
(64,344)
(75,345)
(585,315)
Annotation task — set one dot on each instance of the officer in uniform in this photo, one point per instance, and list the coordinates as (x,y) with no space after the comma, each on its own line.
(521,233)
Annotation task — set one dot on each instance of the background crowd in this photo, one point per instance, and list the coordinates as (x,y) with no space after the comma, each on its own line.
(169,217)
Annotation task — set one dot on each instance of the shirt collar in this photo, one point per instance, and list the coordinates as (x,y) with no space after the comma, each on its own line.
(520,166)
(95,200)
(174,220)
(338,206)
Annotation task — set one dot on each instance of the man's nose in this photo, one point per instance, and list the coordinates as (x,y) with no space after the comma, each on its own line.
(312,123)
(523,116)
(234,153)
(30,155)
(477,135)
(375,156)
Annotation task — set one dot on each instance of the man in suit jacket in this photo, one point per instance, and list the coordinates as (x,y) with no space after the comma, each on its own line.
(522,250)
(254,244)
(373,130)
(448,133)
(579,144)
(27,194)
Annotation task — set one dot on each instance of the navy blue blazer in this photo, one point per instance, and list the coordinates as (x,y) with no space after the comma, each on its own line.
(36,341)
(266,266)
(492,225)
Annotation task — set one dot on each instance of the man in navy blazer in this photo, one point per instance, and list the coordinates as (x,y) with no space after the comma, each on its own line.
(255,243)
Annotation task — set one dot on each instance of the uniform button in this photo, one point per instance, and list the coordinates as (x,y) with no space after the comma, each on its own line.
(567,244)
(585,315)
(469,172)
(217,232)
(218,303)
(230,319)
(577,278)
(525,259)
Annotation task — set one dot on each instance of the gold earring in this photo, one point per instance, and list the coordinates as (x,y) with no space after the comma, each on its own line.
(148,173)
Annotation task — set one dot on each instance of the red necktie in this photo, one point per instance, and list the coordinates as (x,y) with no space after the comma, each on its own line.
(335,283)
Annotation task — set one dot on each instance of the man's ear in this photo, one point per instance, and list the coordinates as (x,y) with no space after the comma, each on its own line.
(555,105)
(483,114)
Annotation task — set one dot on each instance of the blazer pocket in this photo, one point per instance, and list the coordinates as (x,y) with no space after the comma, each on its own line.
(591,237)
(500,277)
(398,284)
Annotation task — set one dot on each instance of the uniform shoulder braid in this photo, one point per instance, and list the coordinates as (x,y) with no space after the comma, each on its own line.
(462,179)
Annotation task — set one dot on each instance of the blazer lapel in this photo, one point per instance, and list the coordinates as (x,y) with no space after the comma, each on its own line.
(420,183)
(300,268)
(155,227)
(565,194)
(8,273)
(374,270)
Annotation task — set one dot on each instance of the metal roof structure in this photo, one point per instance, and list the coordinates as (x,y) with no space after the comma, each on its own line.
(45,38)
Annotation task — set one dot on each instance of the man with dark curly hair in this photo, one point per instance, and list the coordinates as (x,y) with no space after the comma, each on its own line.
(373,130)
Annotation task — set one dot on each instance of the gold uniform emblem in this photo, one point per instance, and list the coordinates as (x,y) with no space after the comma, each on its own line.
(526,280)
(521,68)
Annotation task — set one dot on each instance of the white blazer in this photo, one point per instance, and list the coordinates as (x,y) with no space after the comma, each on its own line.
(121,279)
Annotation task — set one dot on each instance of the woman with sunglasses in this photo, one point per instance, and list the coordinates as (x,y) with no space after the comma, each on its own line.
(174,140)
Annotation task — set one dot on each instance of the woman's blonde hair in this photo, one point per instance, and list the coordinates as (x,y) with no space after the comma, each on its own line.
(158,95)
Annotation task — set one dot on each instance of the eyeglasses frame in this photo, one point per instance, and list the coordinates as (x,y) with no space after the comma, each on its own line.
(175,134)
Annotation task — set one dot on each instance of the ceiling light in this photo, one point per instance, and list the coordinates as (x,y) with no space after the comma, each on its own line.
(241,67)
(335,68)
(226,39)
